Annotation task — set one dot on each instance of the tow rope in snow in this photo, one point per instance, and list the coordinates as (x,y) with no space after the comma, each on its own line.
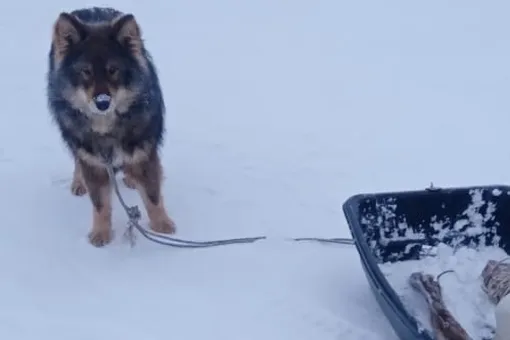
(134,216)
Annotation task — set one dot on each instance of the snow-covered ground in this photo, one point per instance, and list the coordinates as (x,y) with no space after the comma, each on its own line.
(278,111)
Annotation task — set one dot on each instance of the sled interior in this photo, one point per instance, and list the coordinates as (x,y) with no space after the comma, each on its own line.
(399,226)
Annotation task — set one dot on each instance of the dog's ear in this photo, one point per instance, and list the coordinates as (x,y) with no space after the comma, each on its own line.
(128,33)
(67,32)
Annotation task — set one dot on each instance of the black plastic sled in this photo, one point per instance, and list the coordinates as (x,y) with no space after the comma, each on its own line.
(375,222)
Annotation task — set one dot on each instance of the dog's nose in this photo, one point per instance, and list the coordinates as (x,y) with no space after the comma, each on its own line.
(102,101)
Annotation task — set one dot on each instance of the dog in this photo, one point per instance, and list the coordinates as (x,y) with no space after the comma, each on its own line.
(105,97)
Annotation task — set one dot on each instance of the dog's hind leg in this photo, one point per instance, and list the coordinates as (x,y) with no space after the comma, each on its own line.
(78,187)
(99,188)
(147,176)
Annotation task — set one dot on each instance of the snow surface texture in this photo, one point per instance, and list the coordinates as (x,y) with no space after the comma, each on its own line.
(462,290)
(502,315)
(277,112)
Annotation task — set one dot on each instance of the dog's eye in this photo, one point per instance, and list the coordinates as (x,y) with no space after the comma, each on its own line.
(86,72)
(112,71)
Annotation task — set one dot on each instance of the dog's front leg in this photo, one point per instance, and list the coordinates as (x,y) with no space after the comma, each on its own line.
(99,188)
(78,187)
(147,177)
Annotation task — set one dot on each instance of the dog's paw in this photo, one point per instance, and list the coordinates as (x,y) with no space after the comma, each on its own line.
(128,182)
(165,226)
(100,237)
(78,188)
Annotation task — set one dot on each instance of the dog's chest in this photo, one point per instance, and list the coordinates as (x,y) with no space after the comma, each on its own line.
(113,148)
(110,141)
(103,124)
(105,140)
(103,155)
(107,149)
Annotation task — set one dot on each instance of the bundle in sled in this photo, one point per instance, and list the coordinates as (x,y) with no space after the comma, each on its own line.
(445,326)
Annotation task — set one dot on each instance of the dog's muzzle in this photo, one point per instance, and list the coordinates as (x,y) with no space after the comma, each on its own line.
(102,101)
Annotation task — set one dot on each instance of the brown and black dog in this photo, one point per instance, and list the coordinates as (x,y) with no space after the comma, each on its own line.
(105,97)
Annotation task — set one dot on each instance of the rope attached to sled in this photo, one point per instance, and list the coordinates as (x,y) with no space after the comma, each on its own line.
(134,216)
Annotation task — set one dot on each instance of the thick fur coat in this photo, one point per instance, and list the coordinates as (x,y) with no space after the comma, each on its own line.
(105,97)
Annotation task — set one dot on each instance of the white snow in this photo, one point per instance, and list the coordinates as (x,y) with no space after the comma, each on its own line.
(278,111)
(502,315)
(462,290)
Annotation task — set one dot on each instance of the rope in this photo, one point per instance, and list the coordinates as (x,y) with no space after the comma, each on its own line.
(134,215)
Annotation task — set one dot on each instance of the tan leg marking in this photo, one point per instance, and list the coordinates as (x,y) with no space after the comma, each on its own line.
(147,176)
(100,193)
(101,233)
(78,187)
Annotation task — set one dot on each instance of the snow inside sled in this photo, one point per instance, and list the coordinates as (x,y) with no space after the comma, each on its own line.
(403,227)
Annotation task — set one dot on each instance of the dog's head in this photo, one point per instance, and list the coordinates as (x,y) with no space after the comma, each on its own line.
(100,66)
